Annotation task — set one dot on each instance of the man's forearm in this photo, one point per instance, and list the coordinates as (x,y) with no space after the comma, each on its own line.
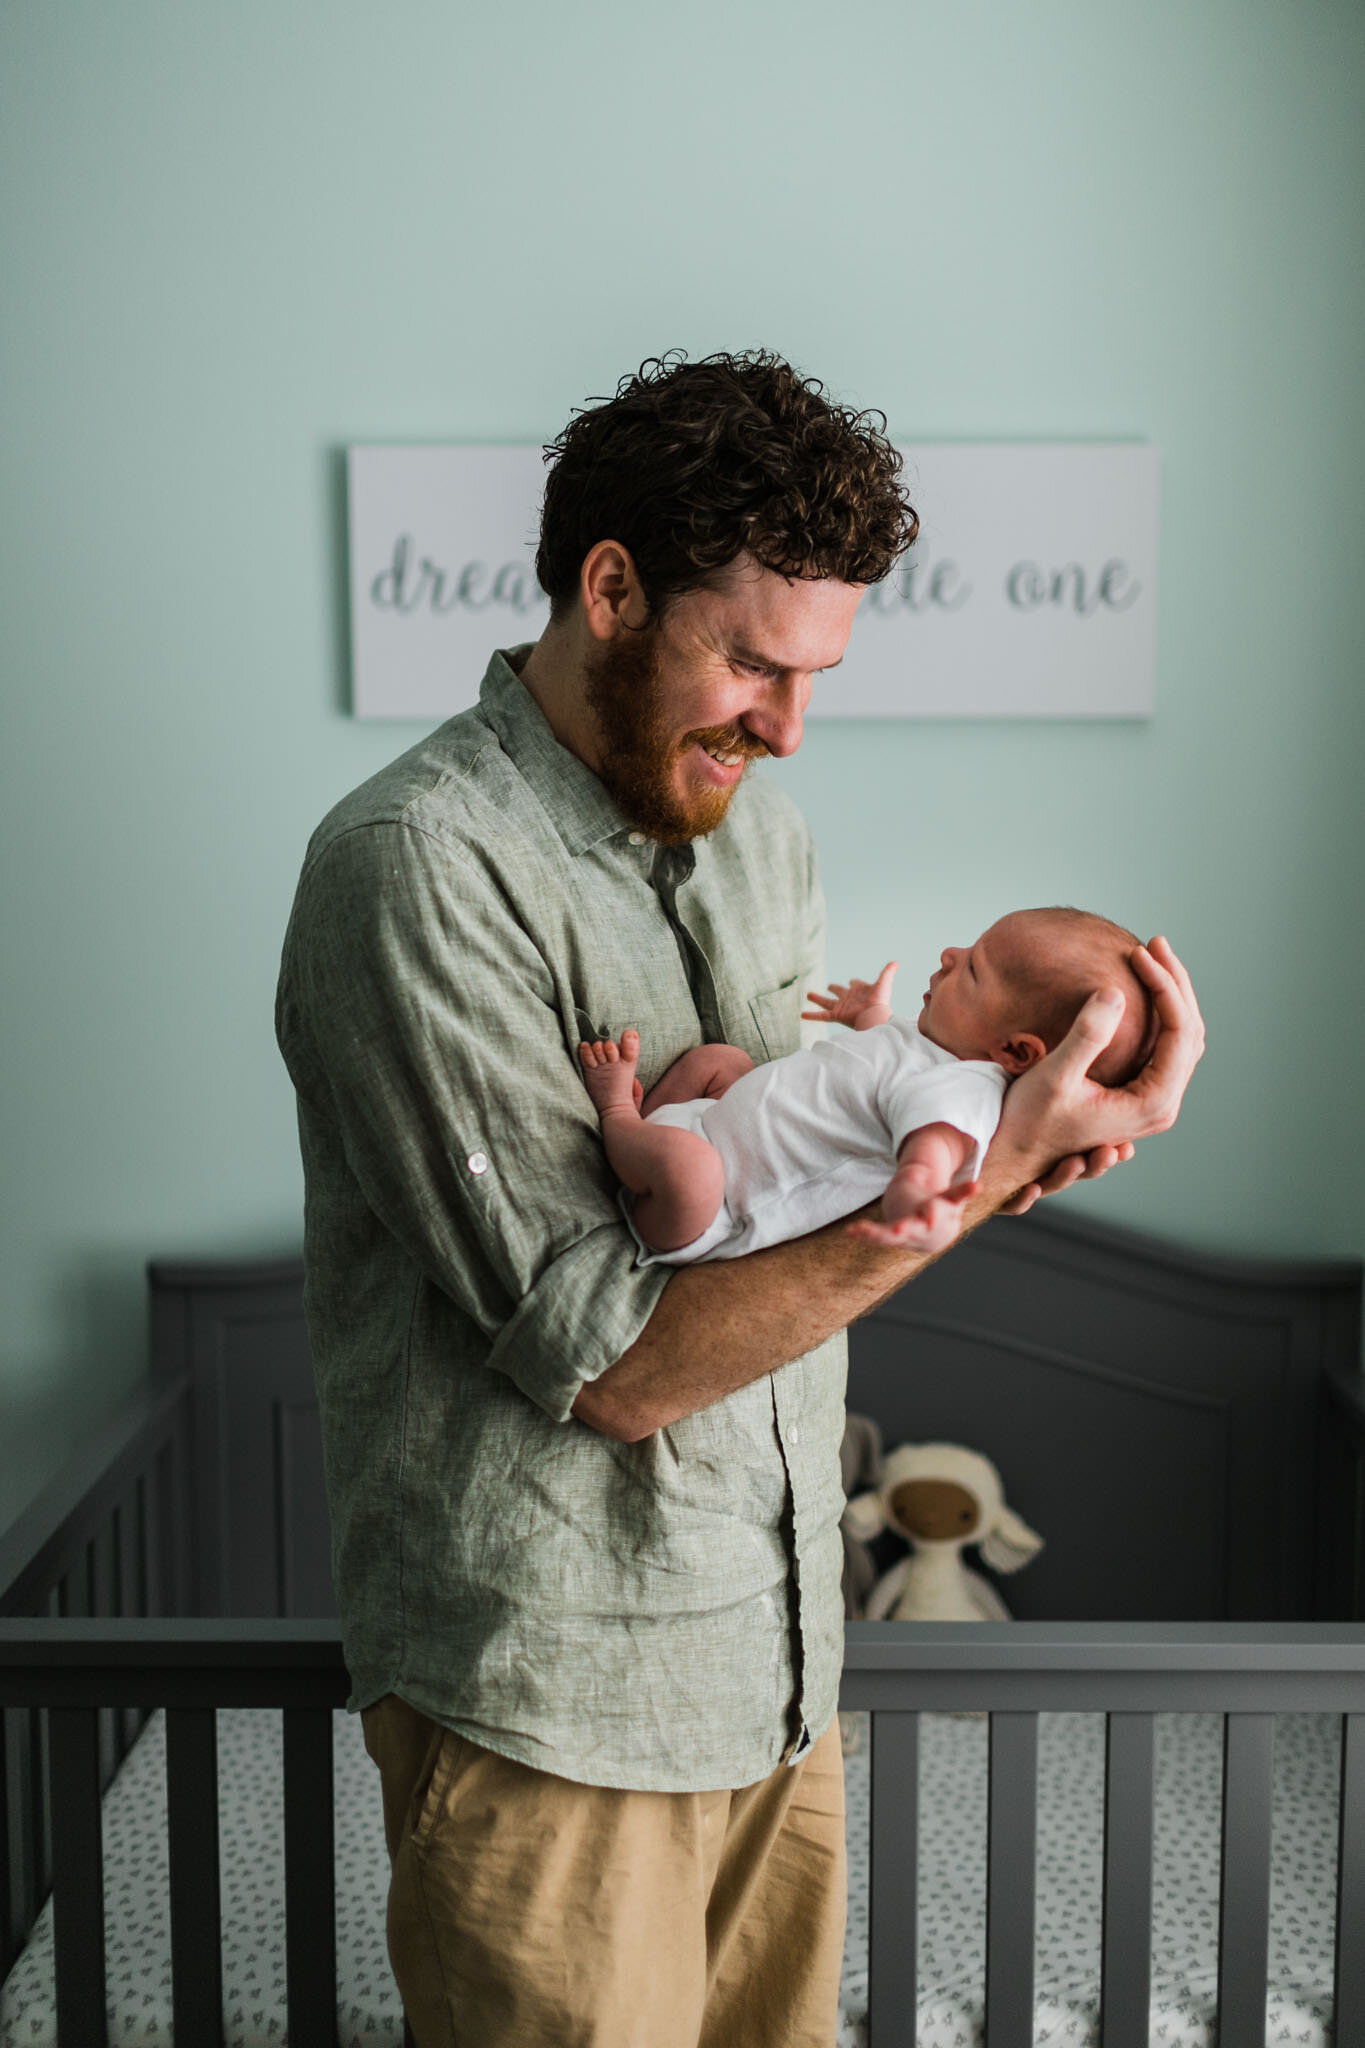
(719,1325)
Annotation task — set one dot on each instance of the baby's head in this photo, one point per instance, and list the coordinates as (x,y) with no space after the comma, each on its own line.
(1014,995)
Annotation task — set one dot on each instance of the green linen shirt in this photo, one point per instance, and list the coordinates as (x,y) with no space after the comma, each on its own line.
(665,1614)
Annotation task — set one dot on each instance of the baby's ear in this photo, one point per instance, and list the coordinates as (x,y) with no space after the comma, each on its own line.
(1016,1055)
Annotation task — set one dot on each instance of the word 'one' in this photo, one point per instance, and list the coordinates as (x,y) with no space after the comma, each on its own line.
(1029,586)
(917,586)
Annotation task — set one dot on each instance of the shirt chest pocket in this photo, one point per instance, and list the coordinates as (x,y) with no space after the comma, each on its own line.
(777,1016)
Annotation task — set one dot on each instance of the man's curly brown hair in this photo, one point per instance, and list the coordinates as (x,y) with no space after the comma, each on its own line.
(692,464)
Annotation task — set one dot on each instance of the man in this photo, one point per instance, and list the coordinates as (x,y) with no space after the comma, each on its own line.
(585,1516)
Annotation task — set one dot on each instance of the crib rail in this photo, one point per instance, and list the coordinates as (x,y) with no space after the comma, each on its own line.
(108,1537)
(189,1668)
(1130,1673)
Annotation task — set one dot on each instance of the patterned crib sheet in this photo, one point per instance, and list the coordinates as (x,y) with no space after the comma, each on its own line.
(952,1889)
(1188,1821)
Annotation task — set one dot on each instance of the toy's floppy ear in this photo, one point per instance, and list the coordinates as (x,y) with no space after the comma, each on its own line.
(1011,1542)
(860,1457)
(864,1517)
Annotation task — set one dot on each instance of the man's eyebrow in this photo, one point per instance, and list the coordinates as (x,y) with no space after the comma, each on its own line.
(757,660)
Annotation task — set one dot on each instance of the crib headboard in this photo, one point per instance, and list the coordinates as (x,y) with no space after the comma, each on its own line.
(236,1329)
(1157,1414)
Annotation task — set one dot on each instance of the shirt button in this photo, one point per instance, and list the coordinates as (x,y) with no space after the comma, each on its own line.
(637,838)
(793,1437)
(477,1162)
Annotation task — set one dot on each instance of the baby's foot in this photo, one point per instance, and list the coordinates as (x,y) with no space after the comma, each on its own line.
(609,1072)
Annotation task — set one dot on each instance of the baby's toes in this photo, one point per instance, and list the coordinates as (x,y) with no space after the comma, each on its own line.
(630,1045)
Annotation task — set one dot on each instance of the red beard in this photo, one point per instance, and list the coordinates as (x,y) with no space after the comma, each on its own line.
(638,755)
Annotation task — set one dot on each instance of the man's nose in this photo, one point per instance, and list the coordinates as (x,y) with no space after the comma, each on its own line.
(779,718)
(950,956)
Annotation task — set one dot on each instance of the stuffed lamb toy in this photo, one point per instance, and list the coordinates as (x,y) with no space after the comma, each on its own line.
(940,1497)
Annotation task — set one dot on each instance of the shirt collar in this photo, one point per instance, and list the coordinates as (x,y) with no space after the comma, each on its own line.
(568,792)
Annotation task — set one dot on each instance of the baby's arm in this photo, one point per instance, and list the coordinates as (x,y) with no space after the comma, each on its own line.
(861,1004)
(921,1209)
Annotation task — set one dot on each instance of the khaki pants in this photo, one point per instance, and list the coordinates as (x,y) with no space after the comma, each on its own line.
(526,1911)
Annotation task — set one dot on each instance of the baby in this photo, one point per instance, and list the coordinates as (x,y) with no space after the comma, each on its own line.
(724,1157)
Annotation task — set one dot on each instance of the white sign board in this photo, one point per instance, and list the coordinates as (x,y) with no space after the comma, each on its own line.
(1030,593)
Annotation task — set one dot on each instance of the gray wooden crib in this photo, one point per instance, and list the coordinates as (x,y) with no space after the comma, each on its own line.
(1187,1432)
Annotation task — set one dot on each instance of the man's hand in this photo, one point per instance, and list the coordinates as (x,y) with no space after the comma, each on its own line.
(1065,1174)
(1058,1120)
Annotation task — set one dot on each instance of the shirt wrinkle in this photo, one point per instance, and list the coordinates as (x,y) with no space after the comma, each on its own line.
(662,1615)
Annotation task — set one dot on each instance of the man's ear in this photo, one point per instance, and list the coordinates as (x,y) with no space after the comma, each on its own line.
(1017,1054)
(610,589)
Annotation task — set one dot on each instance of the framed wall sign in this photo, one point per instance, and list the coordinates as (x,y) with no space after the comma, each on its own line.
(1030,592)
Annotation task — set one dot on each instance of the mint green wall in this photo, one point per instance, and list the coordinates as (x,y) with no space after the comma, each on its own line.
(235,238)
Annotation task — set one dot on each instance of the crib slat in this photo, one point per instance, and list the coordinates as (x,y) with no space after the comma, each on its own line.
(131,1595)
(1244,1920)
(102,1557)
(40,1802)
(1348,2024)
(11,1880)
(1011,1860)
(145,1512)
(309,1911)
(104,1567)
(77,1875)
(892,1944)
(1129,1787)
(21,1846)
(192,1841)
(149,1503)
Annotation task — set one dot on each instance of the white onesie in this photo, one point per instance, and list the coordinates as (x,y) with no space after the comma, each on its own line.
(814,1136)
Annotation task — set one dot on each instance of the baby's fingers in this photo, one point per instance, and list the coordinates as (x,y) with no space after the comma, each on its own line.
(932,1229)
(902,1233)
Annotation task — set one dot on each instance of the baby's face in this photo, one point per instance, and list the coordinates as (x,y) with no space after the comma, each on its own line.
(1014,993)
(968,1009)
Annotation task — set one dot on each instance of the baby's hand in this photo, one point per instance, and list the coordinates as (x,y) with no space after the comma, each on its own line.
(928,1229)
(848,1003)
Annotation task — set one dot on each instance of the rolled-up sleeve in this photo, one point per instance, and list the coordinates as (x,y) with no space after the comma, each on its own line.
(425,1028)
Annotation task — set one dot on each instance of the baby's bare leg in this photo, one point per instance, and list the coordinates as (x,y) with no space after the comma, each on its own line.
(677,1178)
(704,1070)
